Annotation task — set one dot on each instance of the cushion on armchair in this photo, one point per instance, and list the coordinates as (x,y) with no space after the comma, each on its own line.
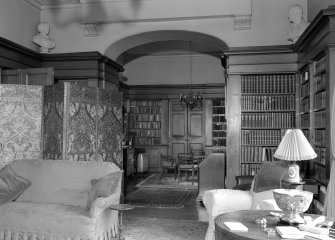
(268,178)
(11,185)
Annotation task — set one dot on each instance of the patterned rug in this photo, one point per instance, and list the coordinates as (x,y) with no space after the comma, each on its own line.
(167,181)
(145,228)
(158,198)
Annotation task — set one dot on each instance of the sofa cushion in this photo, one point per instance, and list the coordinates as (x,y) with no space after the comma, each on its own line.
(60,181)
(49,221)
(103,187)
(11,185)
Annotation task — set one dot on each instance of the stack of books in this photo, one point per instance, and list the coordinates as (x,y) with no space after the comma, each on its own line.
(289,232)
(332,231)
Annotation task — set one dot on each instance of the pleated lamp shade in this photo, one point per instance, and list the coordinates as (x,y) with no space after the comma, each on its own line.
(294,147)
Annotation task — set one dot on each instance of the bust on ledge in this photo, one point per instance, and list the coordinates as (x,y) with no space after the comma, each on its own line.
(42,39)
(297,23)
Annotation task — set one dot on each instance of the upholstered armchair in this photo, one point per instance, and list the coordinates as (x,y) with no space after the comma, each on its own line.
(260,195)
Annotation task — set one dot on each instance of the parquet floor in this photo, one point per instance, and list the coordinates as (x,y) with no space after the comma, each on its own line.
(193,210)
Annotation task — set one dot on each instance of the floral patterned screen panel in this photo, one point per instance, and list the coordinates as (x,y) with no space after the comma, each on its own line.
(82,123)
(20,122)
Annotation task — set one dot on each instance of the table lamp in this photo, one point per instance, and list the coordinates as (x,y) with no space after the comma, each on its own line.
(294,147)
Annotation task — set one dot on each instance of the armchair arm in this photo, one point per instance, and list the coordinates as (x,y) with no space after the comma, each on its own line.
(243,182)
(219,201)
(101,203)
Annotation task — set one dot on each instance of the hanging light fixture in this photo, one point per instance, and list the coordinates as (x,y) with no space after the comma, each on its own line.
(191,99)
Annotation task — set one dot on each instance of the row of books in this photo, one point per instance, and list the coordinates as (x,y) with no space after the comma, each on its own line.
(147,133)
(321,152)
(219,134)
(145,103)
(250,169)
(219,118)
(147,141)
(320,119)
(218,110)
(280,102)
(320,66)
(320,137)
(219,141)
(305,105)
(145,117)
(268,83)
(219,126)
(262,137)
(320,100)
(304,90)
(320,173)
(218,102)
(257,154)
(305,120)
(145,110)
(268,120)
(319,83)
(145,125)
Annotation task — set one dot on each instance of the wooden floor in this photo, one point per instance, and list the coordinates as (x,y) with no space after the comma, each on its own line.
(193,210)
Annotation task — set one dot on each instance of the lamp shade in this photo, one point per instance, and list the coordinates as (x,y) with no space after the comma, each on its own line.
(294,147)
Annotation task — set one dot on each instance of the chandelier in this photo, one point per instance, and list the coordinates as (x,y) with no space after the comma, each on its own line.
(191,99)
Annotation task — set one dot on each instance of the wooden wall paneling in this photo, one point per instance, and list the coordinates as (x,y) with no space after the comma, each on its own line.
(208,122)
(28,76)
(15,56)
(233,112)
(165,122)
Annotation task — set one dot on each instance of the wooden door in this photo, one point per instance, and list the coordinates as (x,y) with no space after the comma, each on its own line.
(186,128)
(28,76)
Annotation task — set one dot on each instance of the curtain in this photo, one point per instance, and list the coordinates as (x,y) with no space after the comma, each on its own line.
(329,210)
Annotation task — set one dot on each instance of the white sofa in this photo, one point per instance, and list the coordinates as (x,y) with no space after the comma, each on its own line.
(60,202)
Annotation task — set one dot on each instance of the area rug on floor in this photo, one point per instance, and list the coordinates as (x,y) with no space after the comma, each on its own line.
(158,198)
(144,228)
(167,181)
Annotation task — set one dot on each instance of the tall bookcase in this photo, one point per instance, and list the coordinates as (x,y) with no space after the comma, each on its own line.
(145,122)
(313,113)
(267,110)
(219,124)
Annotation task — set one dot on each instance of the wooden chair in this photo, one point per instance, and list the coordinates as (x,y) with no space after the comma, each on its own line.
(169,163)
(198,155)
(188,165)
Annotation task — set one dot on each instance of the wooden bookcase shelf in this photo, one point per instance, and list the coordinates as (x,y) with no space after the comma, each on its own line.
(267,110)
(314,82)
(145,122)
(219,124)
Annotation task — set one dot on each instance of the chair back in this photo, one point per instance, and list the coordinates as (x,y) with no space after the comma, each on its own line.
(198,155)
(185,158)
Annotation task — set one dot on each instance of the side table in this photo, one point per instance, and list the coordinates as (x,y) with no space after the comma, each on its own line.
(121,208)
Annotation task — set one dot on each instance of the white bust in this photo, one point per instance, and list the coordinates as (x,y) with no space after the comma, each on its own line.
(42,39)
(297,23)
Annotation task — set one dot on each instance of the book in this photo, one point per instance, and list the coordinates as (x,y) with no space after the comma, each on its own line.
(236,226)
(289,232)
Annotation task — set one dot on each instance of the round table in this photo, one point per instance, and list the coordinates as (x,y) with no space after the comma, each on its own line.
(247,218)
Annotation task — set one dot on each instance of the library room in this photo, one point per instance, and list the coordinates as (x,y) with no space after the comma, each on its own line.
(156,119)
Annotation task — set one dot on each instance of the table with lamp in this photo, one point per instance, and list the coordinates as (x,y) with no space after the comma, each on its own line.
(293,147)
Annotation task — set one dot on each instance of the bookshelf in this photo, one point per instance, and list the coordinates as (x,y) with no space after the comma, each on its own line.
(313,113)
(267,110)
(219,125)
(145,122)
